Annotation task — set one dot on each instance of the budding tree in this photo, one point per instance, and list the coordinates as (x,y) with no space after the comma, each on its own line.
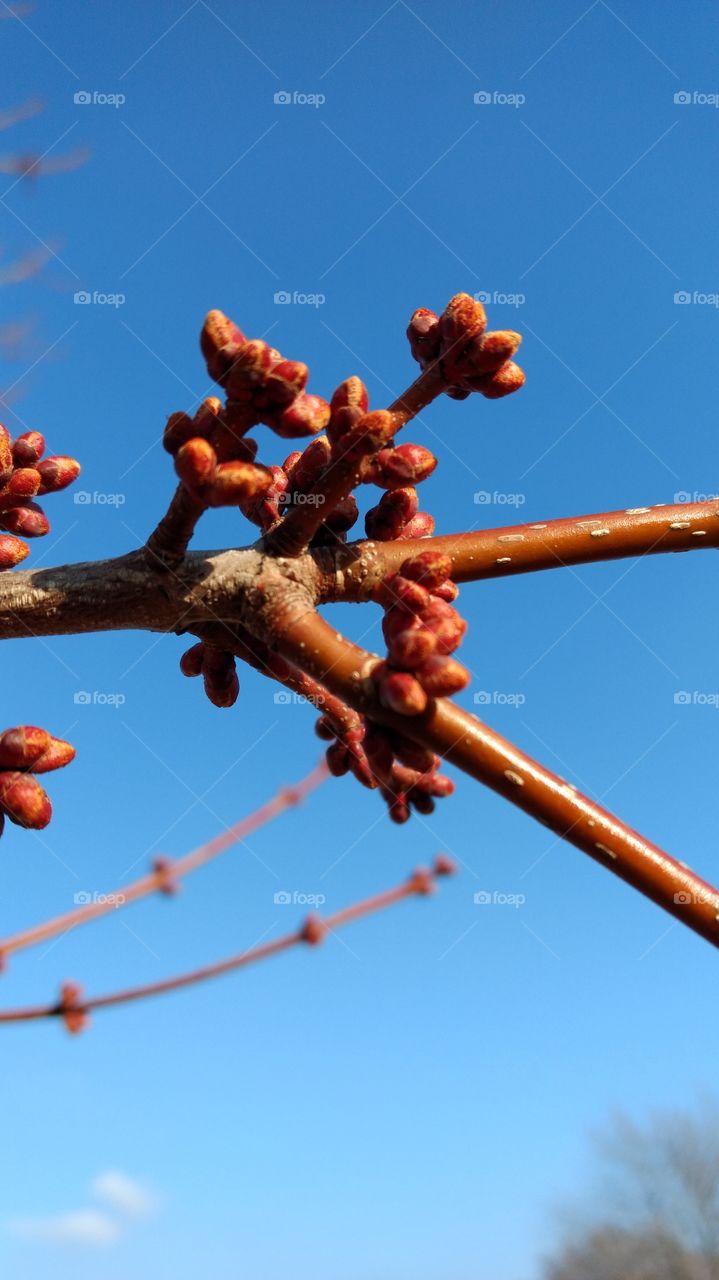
(387,719)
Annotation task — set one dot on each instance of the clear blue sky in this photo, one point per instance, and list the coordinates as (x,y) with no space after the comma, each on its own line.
(412,1103)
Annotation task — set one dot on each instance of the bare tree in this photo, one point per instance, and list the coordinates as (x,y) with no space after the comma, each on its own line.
(657,1199)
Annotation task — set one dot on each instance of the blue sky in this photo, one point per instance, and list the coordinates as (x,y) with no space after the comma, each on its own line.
(413,1100)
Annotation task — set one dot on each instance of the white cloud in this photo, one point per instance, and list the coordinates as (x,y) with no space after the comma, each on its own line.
(124,1194)
(125,1199)
(85,1226)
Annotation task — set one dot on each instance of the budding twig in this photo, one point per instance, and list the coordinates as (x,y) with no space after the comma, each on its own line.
(174,869)
(526,548)
(74,1008)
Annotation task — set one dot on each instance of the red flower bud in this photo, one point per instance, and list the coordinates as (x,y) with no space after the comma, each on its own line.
(70,1008)
(410,648)
(12,551)
(285,382)
(368,435)
(57,755)
(57,473)
(29,520)
(220,677)
(250,367)
(24,483)
(309,465)
(462,320)
(178,430)
(400,692)
(446,591)
(304,417)
(399,809)
(6,455)
(21,747)
(191,660)
(421,802)
(405,464)
(219,342)
(28,449)
(238,481)
(325,729)
(421,526)
(487,354)
(431,568)
(338,759)
(195,463)
(448,626)
(421,759)
(24,801)
(400,593)
(423,334)
(502,383)
(386,521)
(440,676)
(349,402)
(435,784)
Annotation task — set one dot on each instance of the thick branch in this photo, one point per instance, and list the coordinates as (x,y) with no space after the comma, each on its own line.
(525,548)
(491,759)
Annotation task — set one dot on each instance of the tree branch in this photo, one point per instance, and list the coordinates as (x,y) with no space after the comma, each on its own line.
(485,755)
(526,548)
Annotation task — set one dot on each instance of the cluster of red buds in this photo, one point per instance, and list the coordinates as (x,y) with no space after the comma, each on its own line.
(217,668)
(24,476)
(406,775)
(24,751)
(471,359)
